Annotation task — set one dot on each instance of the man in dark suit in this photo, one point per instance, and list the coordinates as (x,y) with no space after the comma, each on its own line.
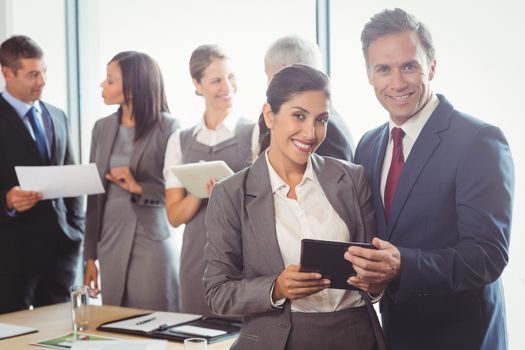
(295,49)
(442,184)
(39,239)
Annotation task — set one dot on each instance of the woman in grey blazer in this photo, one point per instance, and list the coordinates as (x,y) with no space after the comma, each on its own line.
(257,218)
(127,228)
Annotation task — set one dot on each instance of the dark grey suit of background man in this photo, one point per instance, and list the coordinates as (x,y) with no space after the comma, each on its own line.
(295,49)
(39,239)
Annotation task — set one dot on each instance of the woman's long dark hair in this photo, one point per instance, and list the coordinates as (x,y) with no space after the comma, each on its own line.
(285,84)
(143,86)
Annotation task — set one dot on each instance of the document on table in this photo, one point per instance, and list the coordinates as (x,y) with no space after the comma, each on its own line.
(59,181)
(10,330)
(120,345)
(152,321)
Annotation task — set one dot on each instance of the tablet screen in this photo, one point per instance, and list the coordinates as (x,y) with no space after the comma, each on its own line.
(327,258)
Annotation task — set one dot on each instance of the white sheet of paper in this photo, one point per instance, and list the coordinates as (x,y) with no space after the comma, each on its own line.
(60,180)
(10,330)
(198,331)
(120,345)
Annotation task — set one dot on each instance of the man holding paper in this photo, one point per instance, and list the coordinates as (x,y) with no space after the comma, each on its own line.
(39,239)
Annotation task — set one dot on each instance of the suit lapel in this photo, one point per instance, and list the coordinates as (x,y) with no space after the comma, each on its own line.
(427,141)
(19,128)
(261,213)
(379,150)
(58,135)
(335,190)
(109,135)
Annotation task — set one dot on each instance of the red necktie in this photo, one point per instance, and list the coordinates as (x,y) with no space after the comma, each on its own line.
(396,166)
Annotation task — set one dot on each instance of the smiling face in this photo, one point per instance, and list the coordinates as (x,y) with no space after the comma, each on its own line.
(218,85)
(297,129)
(27,83)
(112,86)
(400,73)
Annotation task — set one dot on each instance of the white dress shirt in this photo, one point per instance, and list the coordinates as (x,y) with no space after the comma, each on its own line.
(412,128)
(208,137)
(310,216)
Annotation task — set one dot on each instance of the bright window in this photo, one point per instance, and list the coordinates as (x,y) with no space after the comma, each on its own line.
(169,31)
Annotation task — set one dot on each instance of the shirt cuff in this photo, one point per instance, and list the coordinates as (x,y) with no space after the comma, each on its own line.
(375,299)
(279,304)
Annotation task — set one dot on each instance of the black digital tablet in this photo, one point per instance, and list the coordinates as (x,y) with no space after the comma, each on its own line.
(327,258)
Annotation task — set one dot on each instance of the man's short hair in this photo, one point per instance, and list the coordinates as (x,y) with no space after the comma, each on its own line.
(292,49)
(396,21)
(16,48)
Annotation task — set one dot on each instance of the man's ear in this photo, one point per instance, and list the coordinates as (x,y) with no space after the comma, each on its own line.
(268,115)
(7,73)
(432,71)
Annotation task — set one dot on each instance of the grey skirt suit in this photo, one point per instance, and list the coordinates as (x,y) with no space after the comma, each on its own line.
(243,256)
(129,233)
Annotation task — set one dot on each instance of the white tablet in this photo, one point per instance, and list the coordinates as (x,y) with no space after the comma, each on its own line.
(194,176)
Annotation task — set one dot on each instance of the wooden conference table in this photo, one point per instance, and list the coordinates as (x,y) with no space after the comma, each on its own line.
(55,320)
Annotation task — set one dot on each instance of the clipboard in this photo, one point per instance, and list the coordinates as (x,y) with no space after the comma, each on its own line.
(327,258)
(194,176)
(183,326)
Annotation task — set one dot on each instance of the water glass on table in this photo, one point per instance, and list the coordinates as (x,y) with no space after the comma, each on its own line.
(195,344)
(80,309)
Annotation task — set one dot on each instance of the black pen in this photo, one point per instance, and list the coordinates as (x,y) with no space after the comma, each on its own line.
(145,321)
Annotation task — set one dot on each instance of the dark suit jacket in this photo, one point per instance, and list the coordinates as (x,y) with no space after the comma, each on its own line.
(242,252)
(27,241)
(338,142)
(451,220)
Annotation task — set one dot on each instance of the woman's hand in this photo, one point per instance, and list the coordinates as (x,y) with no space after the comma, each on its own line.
(209,185)
(91,278)
(292,284)
(123,178)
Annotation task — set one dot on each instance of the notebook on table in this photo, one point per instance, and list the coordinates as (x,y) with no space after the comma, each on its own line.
(174,326)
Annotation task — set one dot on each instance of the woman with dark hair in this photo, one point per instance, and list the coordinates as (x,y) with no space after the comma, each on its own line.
(257,218)
(220,135)
(126,228)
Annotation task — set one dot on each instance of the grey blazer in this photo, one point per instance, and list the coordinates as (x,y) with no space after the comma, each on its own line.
(242,252)
(146,165)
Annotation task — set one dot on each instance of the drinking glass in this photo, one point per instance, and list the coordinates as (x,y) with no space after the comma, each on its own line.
(80,307)
(195,344)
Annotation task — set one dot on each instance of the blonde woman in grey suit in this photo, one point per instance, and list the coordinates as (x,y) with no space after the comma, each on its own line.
(257,218)
(127,228)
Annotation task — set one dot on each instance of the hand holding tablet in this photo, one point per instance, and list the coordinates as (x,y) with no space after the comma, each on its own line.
(327,258)
(195,176)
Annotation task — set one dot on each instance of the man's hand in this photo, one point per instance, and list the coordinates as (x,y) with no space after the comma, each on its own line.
(21,200)
(375,268)
(292,284)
